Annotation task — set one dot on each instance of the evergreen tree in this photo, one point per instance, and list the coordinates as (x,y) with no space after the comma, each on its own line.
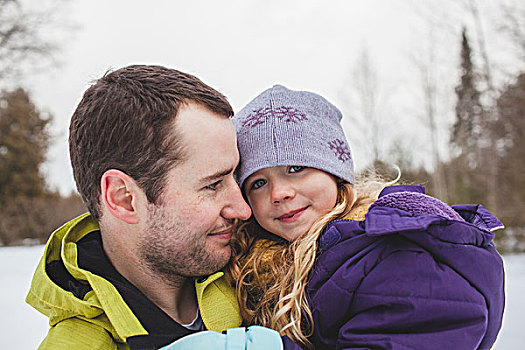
(468,126)
(24,139)
(510,132)
(466,171)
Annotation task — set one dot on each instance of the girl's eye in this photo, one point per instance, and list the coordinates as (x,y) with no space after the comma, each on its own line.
(296,168)
(214,185)
(258,183)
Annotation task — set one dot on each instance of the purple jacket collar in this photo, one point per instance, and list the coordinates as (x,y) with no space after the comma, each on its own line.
(401,215)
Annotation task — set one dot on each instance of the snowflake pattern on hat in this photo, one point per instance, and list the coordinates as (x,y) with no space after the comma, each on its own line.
(341,150)
(262,115)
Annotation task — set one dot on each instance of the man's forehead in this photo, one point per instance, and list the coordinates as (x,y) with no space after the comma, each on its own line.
(209,141)
(191,116)
(199,125)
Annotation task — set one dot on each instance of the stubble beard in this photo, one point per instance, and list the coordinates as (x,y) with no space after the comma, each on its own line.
(175,253)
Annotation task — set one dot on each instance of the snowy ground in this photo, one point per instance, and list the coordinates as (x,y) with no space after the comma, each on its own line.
(23,327)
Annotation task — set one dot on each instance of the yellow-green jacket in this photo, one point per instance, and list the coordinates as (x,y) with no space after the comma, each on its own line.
(102,320)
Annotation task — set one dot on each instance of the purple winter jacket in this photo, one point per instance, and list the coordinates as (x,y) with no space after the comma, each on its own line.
(426,276)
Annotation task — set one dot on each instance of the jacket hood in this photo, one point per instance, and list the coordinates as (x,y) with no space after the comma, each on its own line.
(60,289)
(406,210)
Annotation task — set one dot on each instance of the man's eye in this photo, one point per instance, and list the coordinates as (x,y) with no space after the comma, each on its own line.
(214,185)
(258,183)
(296,168)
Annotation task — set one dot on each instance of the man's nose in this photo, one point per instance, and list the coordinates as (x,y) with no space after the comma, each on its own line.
(281,191)
(236,208)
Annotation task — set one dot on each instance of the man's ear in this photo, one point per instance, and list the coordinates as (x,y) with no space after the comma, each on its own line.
(120,195)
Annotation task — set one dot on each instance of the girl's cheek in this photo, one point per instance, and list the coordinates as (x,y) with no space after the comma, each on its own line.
(259,210)
(254,199)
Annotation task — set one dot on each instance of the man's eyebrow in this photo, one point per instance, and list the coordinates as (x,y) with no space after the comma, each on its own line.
(216,175)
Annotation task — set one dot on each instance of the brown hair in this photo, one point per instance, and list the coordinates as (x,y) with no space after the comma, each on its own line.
(123,122)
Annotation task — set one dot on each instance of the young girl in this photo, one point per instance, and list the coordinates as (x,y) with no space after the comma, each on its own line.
(414,273)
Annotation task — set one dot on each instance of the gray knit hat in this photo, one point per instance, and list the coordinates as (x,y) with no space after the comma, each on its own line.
(286,127)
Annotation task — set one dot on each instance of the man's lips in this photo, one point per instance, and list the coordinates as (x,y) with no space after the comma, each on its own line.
(292,215)
(223,234)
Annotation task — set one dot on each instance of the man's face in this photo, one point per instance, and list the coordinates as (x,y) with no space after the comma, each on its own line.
(189,230)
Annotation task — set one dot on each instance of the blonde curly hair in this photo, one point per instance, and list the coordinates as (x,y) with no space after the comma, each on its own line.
(271,273)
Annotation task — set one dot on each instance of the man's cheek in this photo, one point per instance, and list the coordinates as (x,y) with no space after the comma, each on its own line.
(199,216)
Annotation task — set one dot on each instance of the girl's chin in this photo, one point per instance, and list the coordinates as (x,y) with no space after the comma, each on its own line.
(293,235)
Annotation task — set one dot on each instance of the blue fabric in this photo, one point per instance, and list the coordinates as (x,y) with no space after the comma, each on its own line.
(420,277)
(251,338)
(235,339)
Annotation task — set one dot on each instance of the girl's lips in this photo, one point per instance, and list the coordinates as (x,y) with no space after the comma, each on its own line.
(292,216)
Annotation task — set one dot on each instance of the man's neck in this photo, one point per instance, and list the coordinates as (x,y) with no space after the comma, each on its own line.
(177,299)
(175,296)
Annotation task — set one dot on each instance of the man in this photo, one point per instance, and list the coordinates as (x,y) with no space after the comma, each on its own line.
(153,153)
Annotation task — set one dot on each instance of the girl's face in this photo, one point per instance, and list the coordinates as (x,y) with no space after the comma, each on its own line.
(287,200)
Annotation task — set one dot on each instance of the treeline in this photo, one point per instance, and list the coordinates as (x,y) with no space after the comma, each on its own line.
(486,166)
(29,211)
(487,140)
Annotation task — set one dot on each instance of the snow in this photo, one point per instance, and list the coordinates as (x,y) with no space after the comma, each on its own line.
(511,335)
(24,328)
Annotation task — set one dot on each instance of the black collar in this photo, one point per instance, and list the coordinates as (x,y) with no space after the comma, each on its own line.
(161,328)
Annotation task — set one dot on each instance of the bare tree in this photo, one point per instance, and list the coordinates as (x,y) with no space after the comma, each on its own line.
(26,37)
(449,17)
(473,8)
(365,101)
(366,87)
(427,67)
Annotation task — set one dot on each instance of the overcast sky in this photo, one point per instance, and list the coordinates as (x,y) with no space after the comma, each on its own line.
(241,47)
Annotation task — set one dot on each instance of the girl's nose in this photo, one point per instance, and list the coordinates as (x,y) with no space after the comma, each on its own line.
(282,191)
